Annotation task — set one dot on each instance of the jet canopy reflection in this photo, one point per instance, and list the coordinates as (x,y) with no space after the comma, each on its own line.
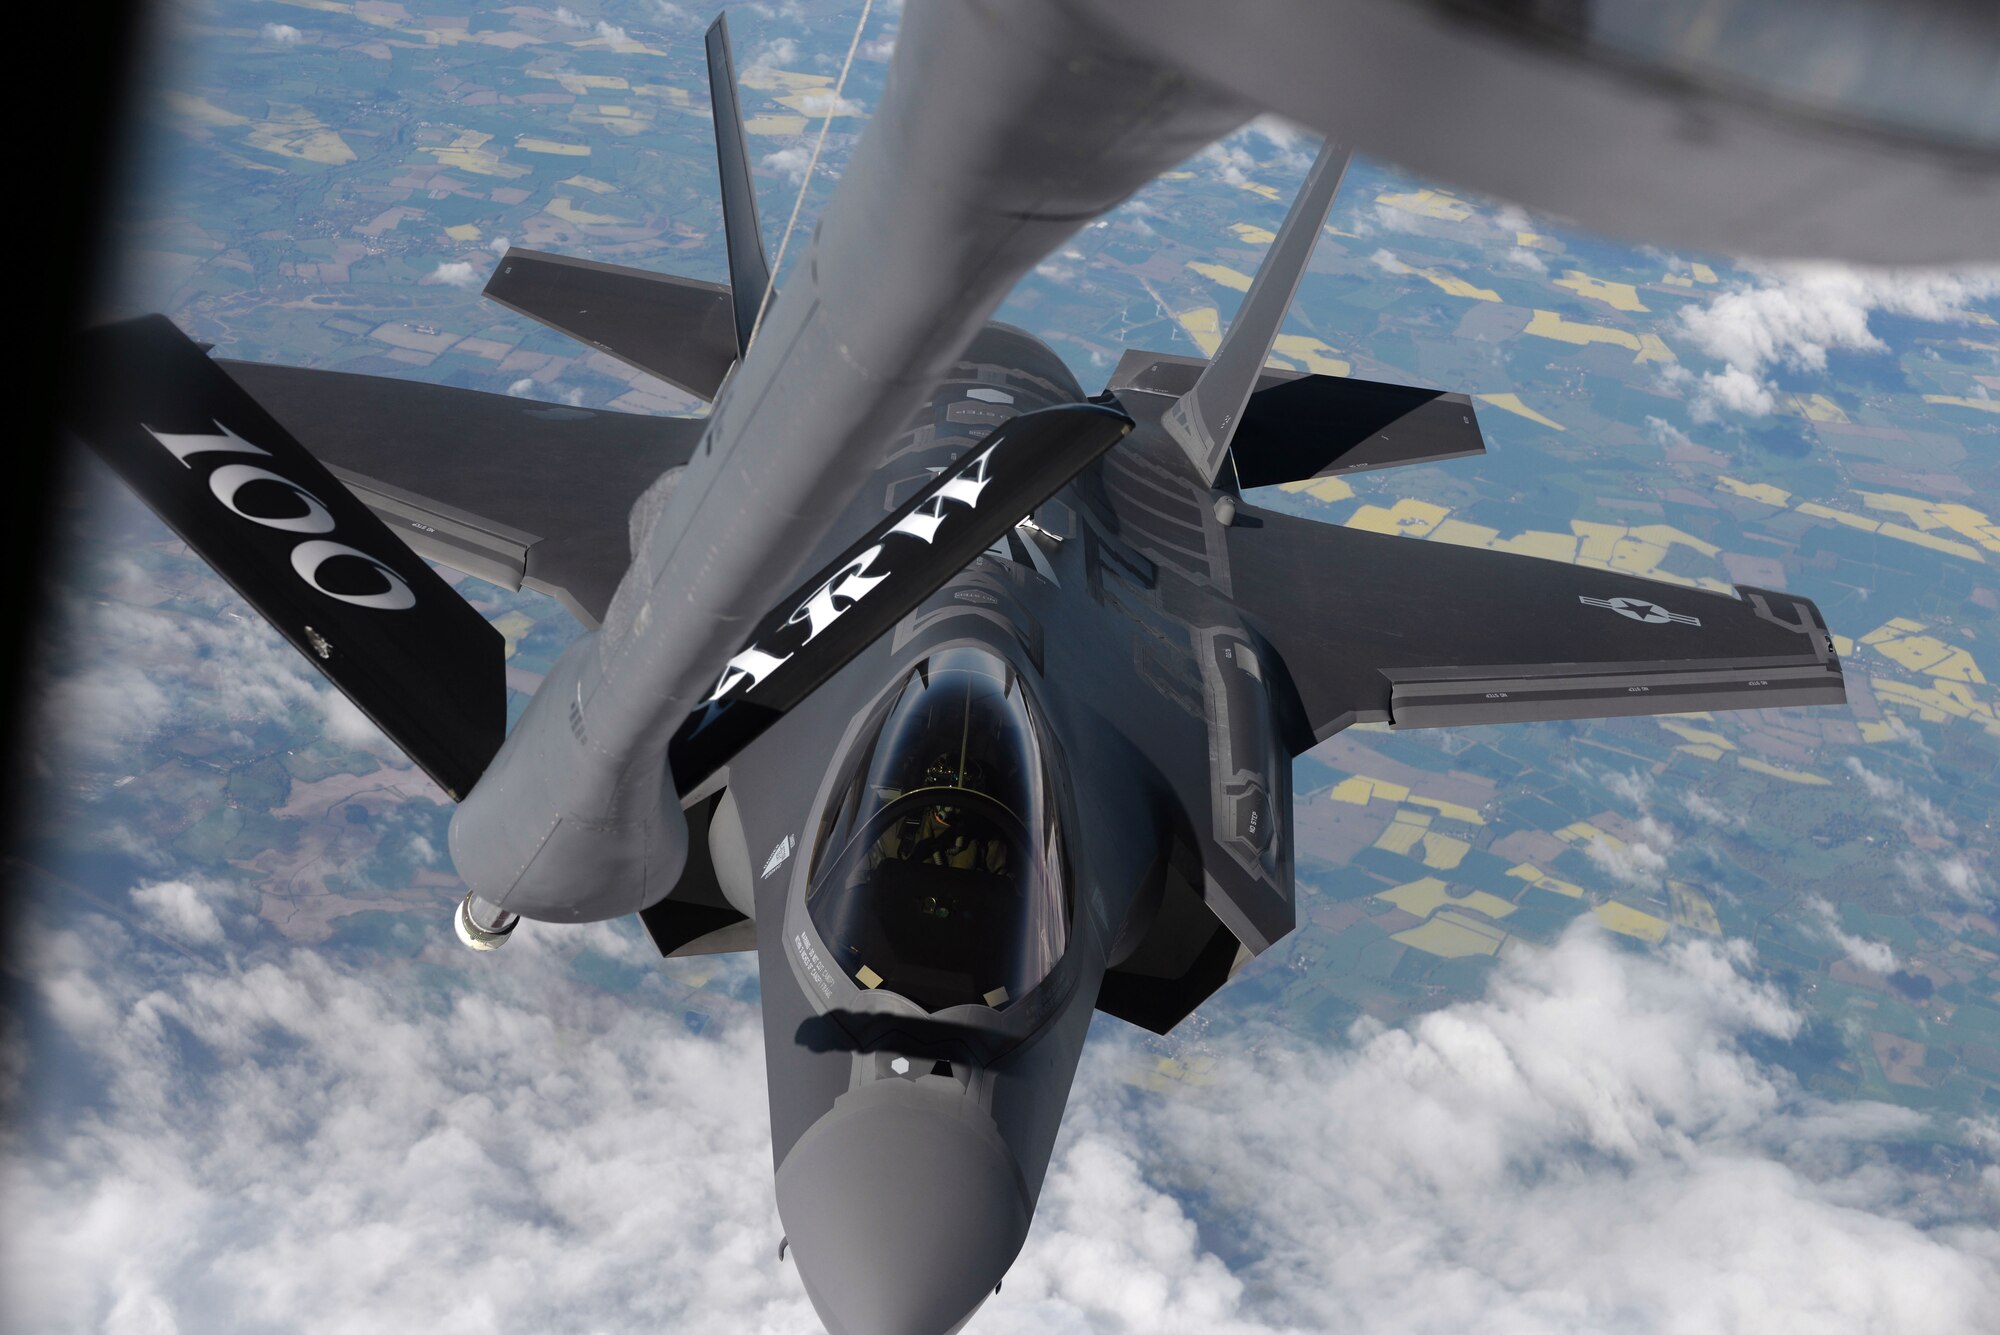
(938,873)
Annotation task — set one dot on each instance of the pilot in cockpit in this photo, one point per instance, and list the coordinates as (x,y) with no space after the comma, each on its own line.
(936,876)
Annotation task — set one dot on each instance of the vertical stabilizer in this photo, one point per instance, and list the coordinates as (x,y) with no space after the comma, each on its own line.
(1204,420)
(749,271)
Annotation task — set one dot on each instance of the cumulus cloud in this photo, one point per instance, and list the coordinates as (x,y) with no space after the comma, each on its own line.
(1397,220)
(301,1144)
(1874,956)
(1638,860)
(1629,786)
(527,388)
(1959,876)
(1640,863)
(1936,863)
(1712,813)
(284,34)
(457,273)
(1954,873)
(1385,260)
(611,33)
(1664,434)
(1233,162)
(1291,147)
(1795,315)
(499,245)
(779,51)
(1591,1146)
(150,667)
(1896,800)
(824,103)
(788,162)
(182,909)
(1737,390)
(569,18)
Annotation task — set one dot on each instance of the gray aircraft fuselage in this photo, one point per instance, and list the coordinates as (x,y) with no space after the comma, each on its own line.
(942,1153)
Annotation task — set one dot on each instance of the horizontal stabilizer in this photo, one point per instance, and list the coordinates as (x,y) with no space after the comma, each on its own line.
(872,585)
(517,492)
(678,329)
(1320,425)
(318,564)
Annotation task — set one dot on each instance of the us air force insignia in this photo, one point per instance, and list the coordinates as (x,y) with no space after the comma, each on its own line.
(1640,610)
(777,858)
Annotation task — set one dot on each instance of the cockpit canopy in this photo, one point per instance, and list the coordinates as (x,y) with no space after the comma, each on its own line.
(938,874)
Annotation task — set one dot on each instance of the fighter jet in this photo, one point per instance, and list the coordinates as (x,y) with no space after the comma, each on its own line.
(964,697)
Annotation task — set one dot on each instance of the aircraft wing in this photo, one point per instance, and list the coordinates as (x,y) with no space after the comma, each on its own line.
(1425,634)
(235,485)
(514,491)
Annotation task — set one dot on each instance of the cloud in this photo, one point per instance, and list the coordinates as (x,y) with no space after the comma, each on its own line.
(457,273)
(284,34)
(778,52)
(1796,315)
(1737,390)
(526,388)
(499,245)
(1664,434)
(1591,1146)
(144,669)
(569,18)
(302,1144)
(1233,161)
(1954,873)
(1638,860)
(1629,786)
(1640,863)
(1874,956)
(1293,147)
(1893,798)
(1961,877)
(1934,863)
(1711,813)
(611,33)
(824,103)
(181,907)
(788,162)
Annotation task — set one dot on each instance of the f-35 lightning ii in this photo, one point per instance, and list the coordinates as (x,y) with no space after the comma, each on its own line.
(1018,745)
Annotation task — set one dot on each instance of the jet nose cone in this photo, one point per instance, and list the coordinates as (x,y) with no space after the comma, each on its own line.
(904,1207)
